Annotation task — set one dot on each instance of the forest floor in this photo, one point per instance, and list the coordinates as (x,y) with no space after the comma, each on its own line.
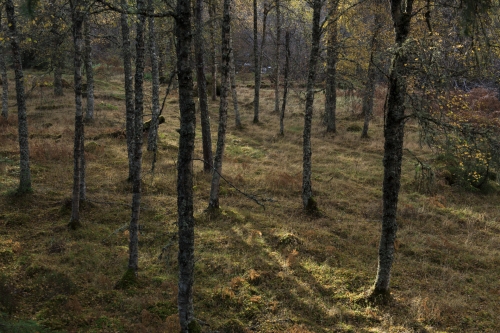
(257,270)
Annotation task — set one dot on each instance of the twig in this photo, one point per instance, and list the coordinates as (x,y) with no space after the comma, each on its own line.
(249,196)
(120,229)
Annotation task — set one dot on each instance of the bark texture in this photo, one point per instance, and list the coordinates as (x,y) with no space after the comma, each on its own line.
(369,91)
(307,195)
(212,13)
(155,82)
(258,56)
(133,262)
(285,89)
(393,147)
(129,89)
(221,135)
(185,167)
(25,171)
(234,92)
(89,71)
(331,70)
(206,135)
(3,73)
(78,151)
(277,59)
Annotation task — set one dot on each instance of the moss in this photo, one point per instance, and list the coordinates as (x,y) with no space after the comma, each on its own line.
(194,327)
(128,279)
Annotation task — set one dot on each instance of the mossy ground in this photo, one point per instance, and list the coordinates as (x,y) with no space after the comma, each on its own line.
(272,270)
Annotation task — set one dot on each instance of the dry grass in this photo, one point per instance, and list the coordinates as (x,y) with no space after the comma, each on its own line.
(273,270)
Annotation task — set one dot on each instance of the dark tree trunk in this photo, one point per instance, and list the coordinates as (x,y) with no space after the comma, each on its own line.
(58,70)
(307,196)
(78,152)
(185,167)
(285,89)
(232,74)
(25,172)
(221,135)
(133,262)
(393,147)
(369,92)
(155,80)
(129,89)
(258,56)
(212,13)
(3,73)
(331,74)
(89,71)
(202,88)
(277,59)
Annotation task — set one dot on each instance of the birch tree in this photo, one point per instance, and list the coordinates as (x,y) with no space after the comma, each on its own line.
(185,219)
(258,55)
(331,70)
(307,195)
(202,88)
(401,12)
(155,82)
(221,135)
(89,71)
(77,16)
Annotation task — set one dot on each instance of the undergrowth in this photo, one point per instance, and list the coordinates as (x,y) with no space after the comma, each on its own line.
(277,269)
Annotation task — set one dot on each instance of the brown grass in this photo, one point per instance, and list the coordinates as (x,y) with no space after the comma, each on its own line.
(272,270)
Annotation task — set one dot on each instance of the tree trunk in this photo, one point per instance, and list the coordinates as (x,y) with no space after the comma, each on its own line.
(129,89)
(78,150)
(221,135)
(89,71)
(307,197)
(277,60)
(3,73)
(369,93)
(206,135)
(258,56)
(24,152)
(331,70)
(185,167)
(212,13)
(232,74)
(285,89)
(58,70)
(155,77)
(133,262)
(393,147)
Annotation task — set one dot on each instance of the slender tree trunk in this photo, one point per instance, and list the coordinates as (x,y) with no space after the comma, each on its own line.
(3,73)
(185,167)
(307,196)
(393,148)
(78,152)
(212,13)
(133,262)
(232,74)
(129,89)
(331,71)
(258,56)
(221,135)
(58,70)
(89,71)
(155,74)
(285,89)
(277,60)
(202,88)
(25,172)
(369,92)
